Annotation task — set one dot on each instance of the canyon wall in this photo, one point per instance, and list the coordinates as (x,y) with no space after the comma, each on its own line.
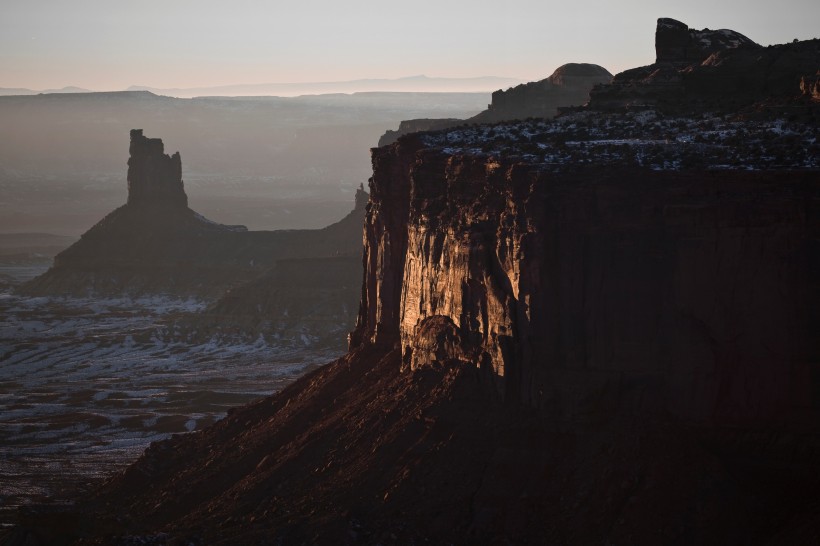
(688,292)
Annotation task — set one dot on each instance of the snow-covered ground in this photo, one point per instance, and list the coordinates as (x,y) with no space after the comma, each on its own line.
(86,385)
(645,139)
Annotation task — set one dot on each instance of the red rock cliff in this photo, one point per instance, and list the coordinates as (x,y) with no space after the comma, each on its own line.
(688,292)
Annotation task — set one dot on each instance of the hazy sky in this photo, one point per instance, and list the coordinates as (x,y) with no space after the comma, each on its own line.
(111,44)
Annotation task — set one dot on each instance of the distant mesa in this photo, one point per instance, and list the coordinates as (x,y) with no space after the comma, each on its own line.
(66,90)
(6,91)
(411,84)
(409,126)
(569,85)
(155,244)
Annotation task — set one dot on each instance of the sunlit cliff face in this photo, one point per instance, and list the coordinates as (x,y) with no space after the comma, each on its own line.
(589,251)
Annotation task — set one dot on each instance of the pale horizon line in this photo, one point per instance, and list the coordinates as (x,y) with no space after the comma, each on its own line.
(376,80)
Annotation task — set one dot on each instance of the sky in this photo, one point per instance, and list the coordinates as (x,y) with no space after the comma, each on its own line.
(113,44)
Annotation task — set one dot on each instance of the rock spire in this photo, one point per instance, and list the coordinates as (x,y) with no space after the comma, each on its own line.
(154,177)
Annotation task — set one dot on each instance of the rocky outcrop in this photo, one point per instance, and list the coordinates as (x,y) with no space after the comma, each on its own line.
(691,291)
(153,176)
(155,244)
(698,70)
(568,86)
(677,43)
(416,125)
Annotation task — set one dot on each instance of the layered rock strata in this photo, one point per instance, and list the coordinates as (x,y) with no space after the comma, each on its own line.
(692,291)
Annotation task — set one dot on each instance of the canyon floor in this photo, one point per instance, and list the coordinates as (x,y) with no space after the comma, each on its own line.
(87,384)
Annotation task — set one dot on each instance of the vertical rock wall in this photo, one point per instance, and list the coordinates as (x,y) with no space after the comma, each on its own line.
(385,244)
(691,293)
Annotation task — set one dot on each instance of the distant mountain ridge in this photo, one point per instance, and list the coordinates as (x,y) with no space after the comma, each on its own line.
(420,83)
(7,91)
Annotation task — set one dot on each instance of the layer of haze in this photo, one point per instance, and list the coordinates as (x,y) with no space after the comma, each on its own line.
(103,45)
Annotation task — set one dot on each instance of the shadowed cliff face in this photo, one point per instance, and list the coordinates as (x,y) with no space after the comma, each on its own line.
(689,292)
